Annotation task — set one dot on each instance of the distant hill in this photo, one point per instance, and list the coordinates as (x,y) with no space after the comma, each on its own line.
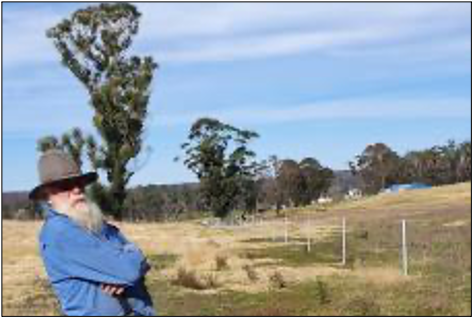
(159,199)
(14,202)
(18,199)
(164,199)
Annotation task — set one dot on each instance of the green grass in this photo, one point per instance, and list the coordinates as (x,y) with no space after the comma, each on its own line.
(332,296)
(440,283)
(296,255)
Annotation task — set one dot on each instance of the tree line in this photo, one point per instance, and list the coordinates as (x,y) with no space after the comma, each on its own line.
(247,186)
(380,167)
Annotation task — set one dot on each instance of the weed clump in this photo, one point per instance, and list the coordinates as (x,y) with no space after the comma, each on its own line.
(221,263)
(251,273)
(278,281)
(189,279)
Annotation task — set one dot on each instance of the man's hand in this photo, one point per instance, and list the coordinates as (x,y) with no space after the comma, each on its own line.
(112,290)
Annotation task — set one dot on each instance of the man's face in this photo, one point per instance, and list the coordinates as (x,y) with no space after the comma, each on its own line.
(69,198)
(67,193)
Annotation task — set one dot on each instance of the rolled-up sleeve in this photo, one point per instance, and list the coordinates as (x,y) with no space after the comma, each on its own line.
(78,254)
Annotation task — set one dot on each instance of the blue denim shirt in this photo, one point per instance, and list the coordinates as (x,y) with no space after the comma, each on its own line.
(78,262)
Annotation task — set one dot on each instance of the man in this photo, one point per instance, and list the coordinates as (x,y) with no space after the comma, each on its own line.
(93,268)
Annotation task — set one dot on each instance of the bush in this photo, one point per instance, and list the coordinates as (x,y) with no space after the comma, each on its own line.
(278,281)
(251,273)
(189,279)
(221,263)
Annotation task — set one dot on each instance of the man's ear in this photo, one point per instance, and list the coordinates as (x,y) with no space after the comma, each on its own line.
(46,194)
(43,196)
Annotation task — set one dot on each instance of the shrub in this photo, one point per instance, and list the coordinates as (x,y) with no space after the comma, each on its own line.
(190,279)
(251,273)
(278,281)
(221,263)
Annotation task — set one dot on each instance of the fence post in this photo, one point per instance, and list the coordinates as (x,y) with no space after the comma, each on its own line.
(286,229)
(274,231)
(344,241)
(308,238)
(404,249)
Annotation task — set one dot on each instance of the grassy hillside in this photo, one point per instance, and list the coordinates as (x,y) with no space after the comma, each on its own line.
(251,270)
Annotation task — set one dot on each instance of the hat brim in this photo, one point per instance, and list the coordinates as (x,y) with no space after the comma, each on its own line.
(86,179)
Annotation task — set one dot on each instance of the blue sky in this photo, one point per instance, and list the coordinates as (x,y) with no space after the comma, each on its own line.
(313,79)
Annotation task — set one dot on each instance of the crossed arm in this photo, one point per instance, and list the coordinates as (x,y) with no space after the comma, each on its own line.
(114,266)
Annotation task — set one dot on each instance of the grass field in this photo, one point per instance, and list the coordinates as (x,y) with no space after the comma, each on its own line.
(250,270)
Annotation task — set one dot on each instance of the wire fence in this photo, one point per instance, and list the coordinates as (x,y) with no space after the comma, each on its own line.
(393,241)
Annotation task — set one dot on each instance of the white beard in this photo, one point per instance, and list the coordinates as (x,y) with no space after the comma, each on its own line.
(88,216)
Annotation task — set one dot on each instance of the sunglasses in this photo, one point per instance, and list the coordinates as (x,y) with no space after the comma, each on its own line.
(67,186)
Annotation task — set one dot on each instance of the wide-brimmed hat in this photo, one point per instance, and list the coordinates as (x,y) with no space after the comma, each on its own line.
(55,167)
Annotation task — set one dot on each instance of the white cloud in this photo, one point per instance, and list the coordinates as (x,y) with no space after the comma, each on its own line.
(29,120)
(272,45)
(228,32)
(163,21)
(195,32)
(368,108)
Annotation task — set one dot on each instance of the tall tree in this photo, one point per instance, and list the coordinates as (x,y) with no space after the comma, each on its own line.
(450,158)
(291,183)
(377,166)
(93,45)
(317,179)
(218,154)
(269,194)
(464,166)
